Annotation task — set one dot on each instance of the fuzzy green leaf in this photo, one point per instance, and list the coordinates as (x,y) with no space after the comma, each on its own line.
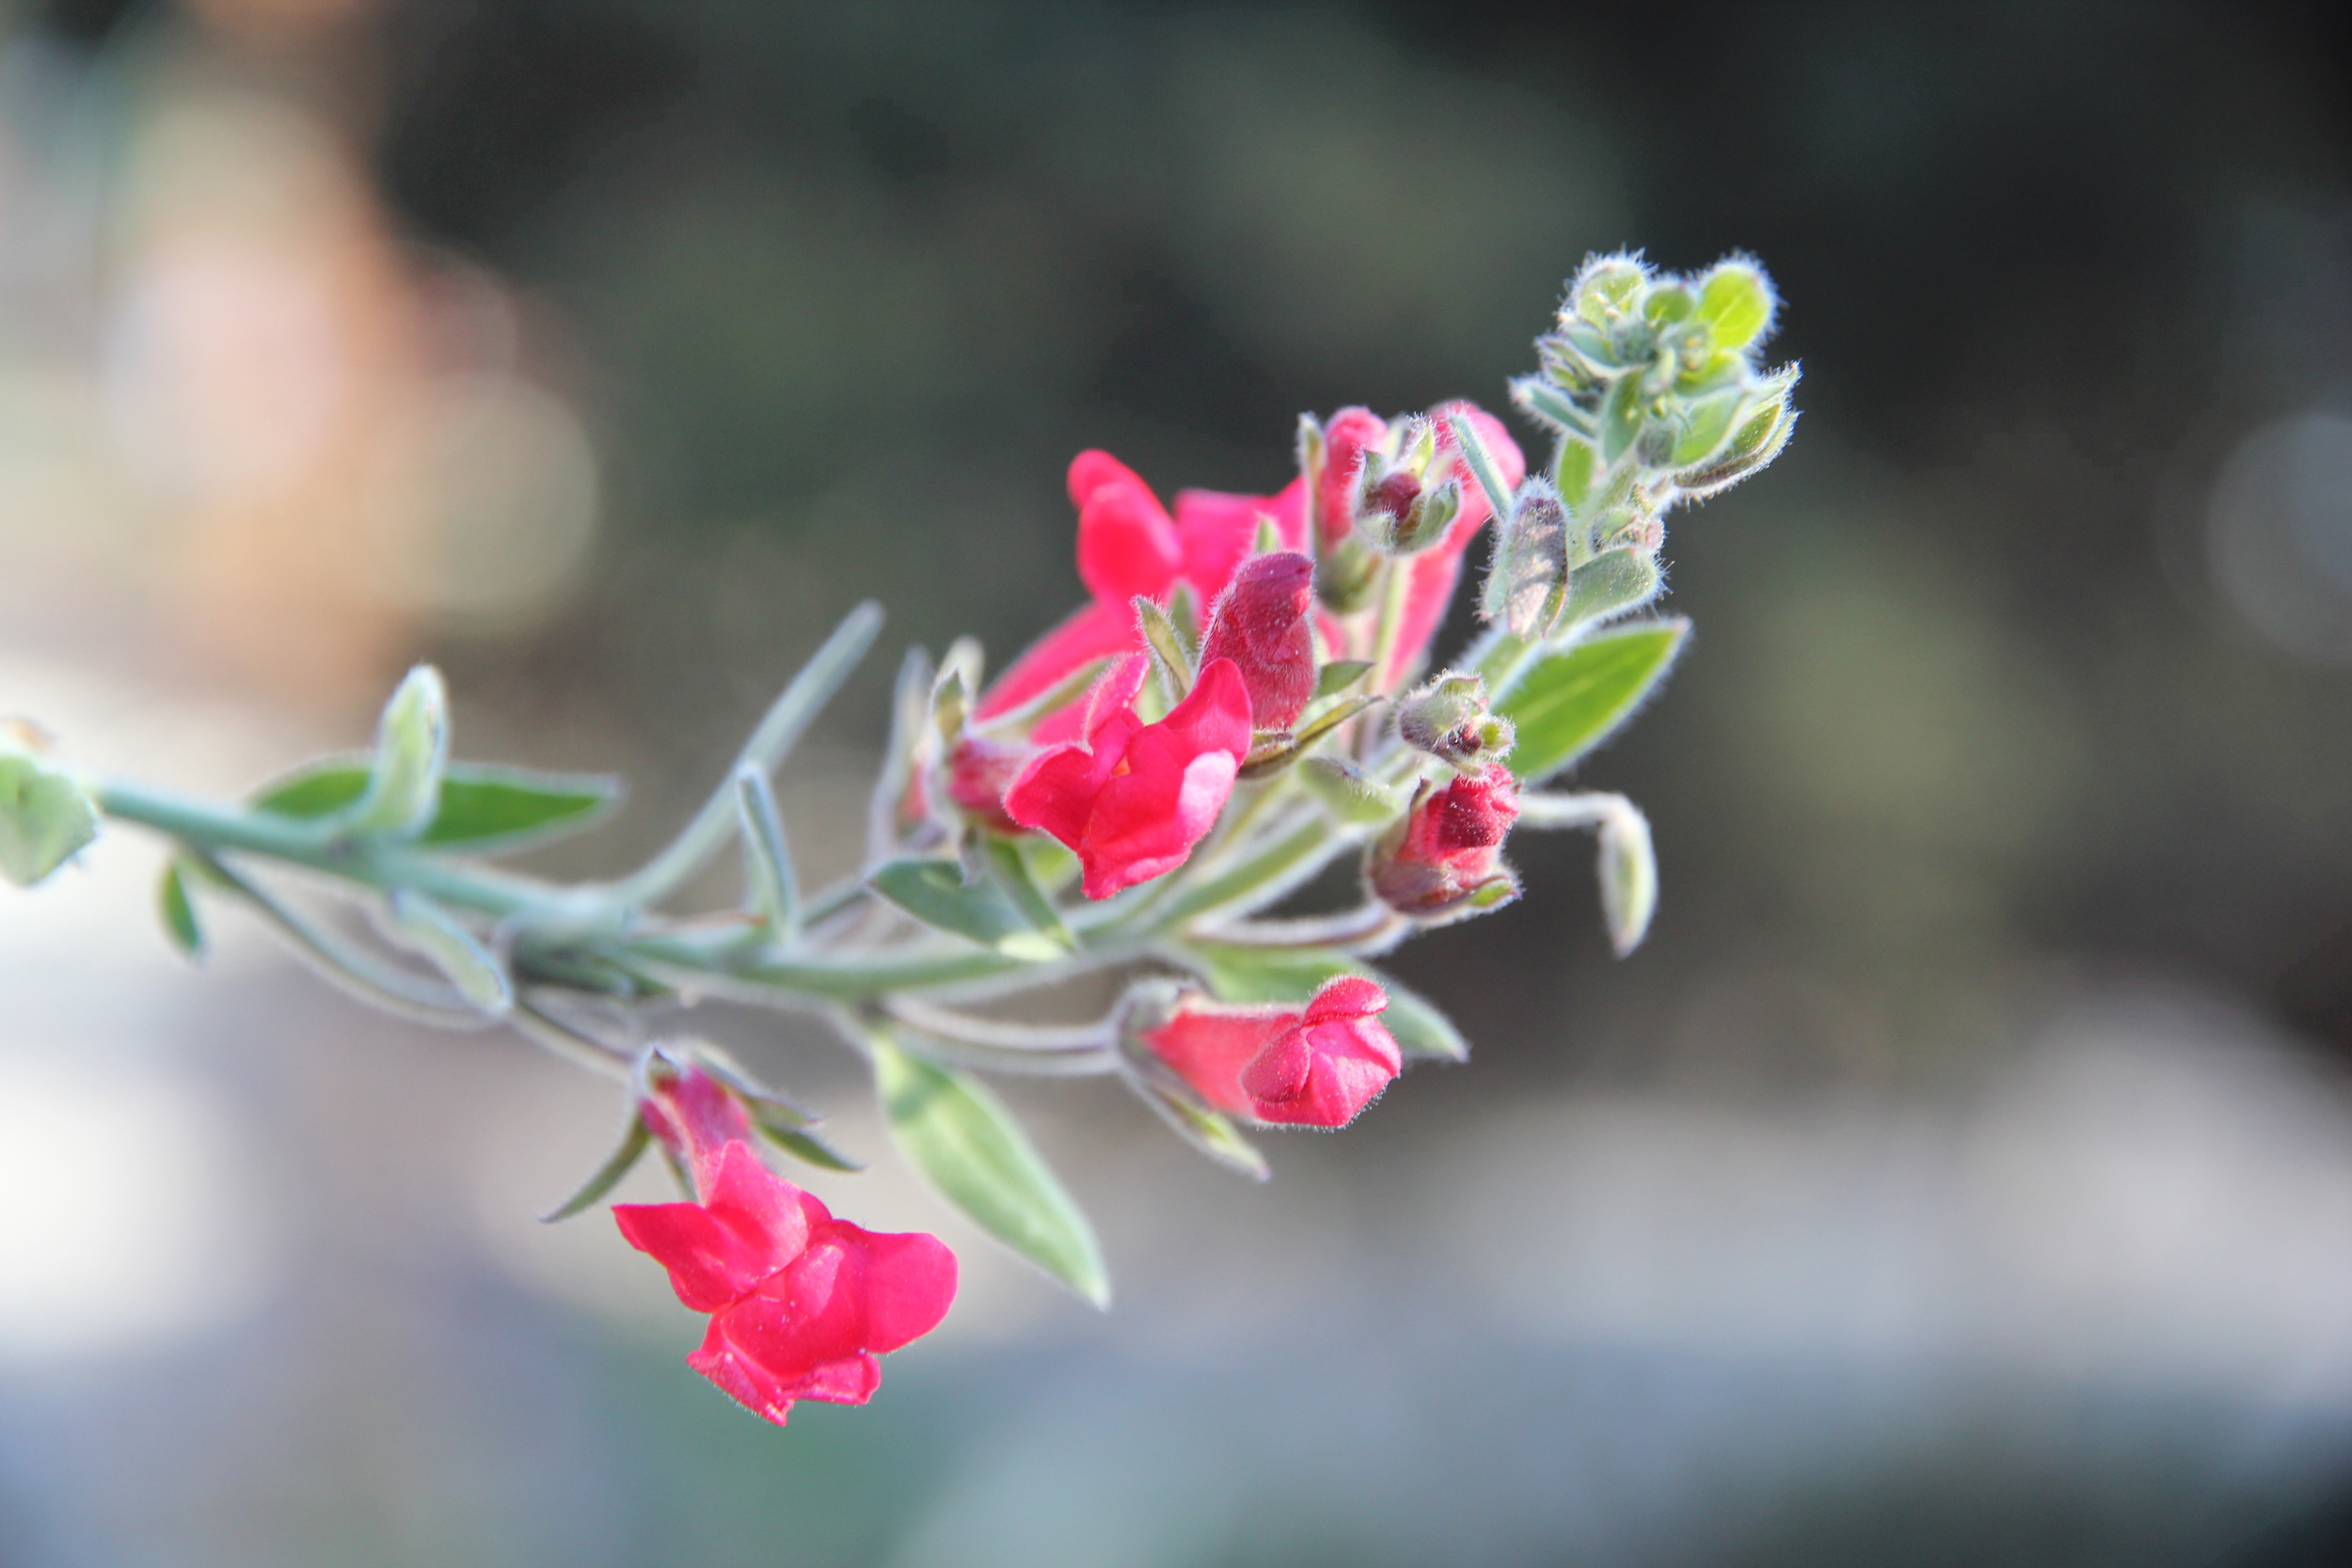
(935,892)
(1570,702)
(179,912)
(483,809)
(965,1141)
(1735,302)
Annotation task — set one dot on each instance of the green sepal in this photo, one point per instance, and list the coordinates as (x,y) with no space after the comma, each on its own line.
(484,807)
(45,818)
(968,1145)
(1567,703)
(790,1127)
(179,913)
(608,1175)
(936,893)
(1209,1131)
(1275,751)
(1245,975)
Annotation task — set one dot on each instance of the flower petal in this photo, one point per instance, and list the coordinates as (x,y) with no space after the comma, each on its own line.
(1127,543)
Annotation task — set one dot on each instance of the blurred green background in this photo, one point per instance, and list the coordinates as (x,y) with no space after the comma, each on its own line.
(1961,1173)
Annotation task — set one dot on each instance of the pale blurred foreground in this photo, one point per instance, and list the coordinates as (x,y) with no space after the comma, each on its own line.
(274,1295)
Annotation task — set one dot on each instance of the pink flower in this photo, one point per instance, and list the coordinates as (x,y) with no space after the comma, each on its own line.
(1444,858)
(1261,625)
(1132,798)
(1312,1068)
(1128,545)
(799,1303)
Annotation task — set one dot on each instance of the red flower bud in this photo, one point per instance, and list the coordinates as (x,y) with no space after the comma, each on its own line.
(799,1303)
(978,773)
(1345,438)
(1318,1066)
(1260,622)
(1443,859)
(1133,799)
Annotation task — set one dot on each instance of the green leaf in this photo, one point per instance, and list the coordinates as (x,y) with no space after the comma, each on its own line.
(404,790)
(457,953)
(1570,702)
(771,889)
(1609,584)
(607,1175)
(484,807)
(45,819)
(1239,974)
(1573,472)
(1621,420)
(1338,676)
(935,892)
(966,1143)
(1706,423)
(1735,302)
(179,912)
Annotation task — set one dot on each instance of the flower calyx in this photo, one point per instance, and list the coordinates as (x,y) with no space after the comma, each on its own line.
(1447,717)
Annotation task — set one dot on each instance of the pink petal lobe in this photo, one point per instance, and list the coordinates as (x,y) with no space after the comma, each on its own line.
(1347,997)
(1056,792)
(909,1284)
(1127,543)
(708,1264)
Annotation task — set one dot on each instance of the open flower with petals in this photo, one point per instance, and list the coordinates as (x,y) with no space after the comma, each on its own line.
(1130,544)
(1318,1066)
(799,1303)
(1132,798)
